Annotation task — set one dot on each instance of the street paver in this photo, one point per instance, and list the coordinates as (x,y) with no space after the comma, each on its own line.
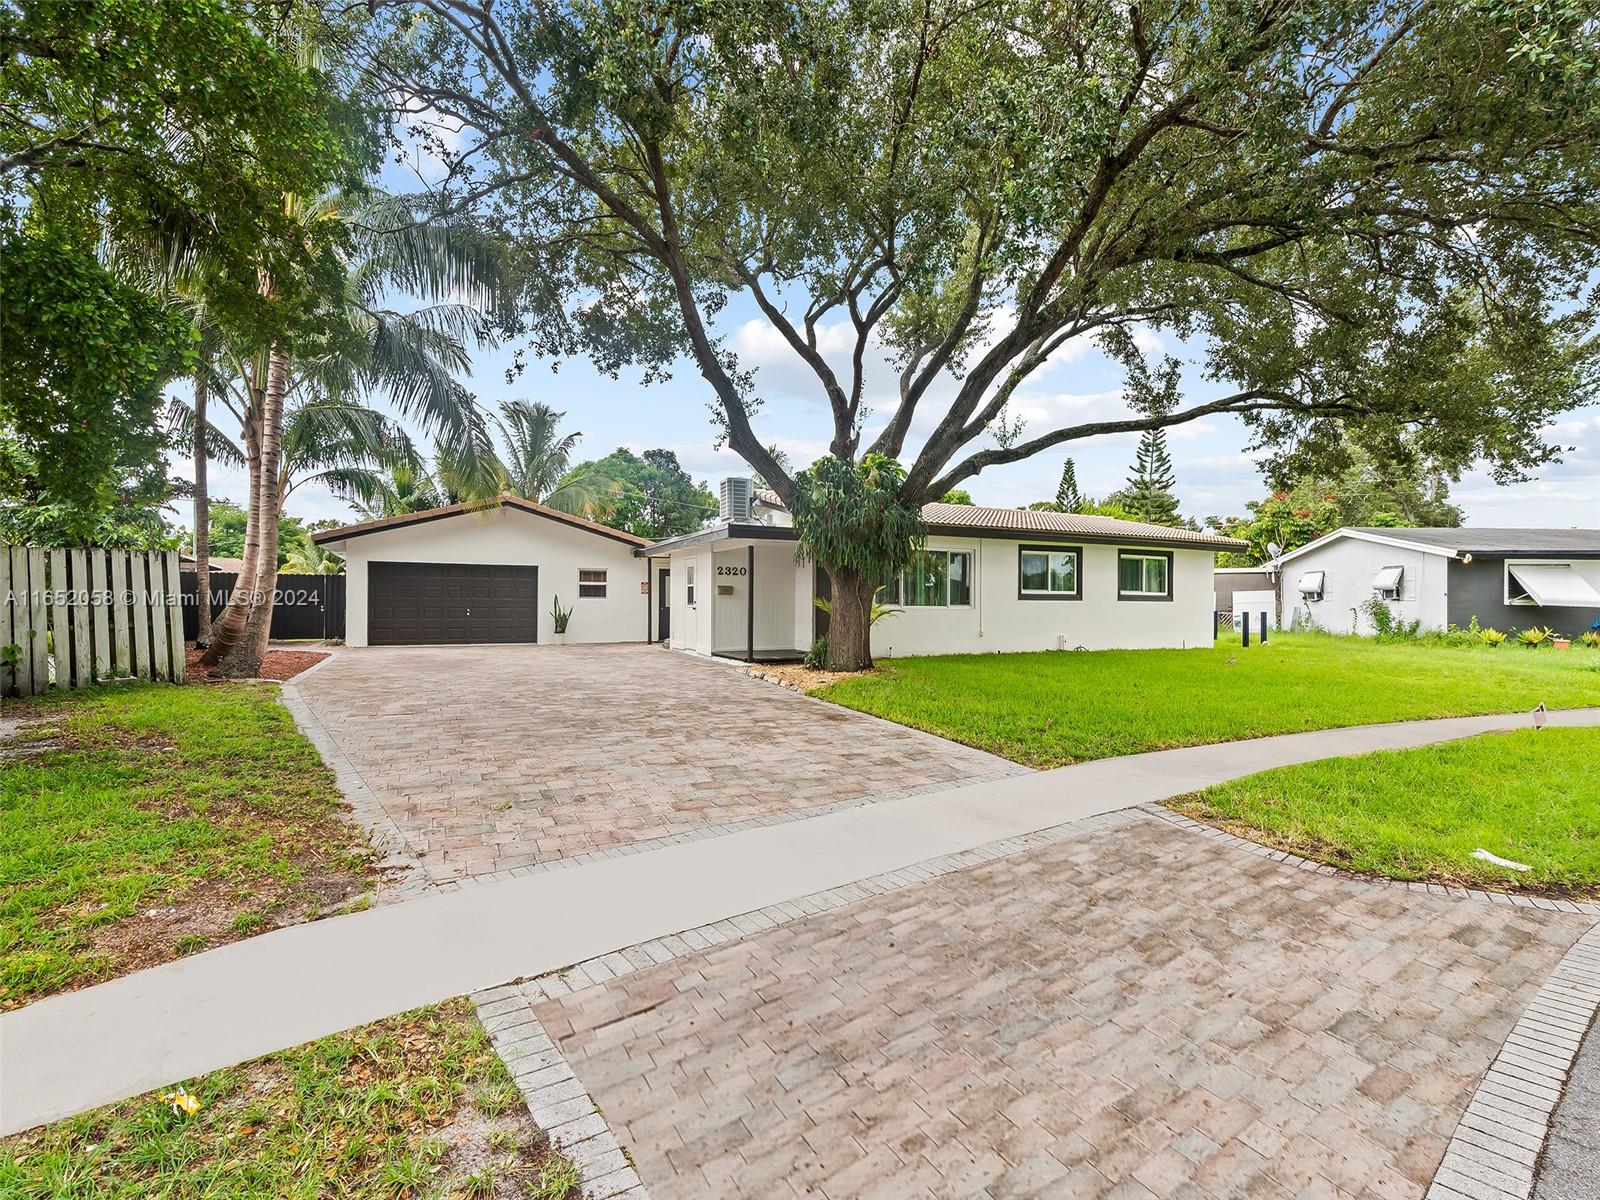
(490,759)
(1139,1013)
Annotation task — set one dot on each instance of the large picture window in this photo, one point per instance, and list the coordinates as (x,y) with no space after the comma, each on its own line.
(1049,572)
(937,579)
(1144,575)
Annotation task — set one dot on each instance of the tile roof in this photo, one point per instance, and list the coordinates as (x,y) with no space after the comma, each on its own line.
(505,500)
(1027,520)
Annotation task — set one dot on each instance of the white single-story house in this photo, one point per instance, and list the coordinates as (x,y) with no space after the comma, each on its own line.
(1506,578)
(471,573)
(989,580)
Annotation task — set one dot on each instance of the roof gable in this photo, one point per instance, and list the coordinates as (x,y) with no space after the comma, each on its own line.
(506,500)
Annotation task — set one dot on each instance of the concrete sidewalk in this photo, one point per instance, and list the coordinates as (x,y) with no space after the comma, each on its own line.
(77,1051)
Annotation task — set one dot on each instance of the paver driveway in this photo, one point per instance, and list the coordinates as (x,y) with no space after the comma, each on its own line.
(1135,1013)
(488,759)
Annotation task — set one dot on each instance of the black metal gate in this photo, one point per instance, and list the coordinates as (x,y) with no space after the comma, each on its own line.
(306,606)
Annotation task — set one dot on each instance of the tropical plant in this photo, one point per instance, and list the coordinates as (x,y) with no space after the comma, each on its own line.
(560,616)
(1491,636)
(308,558)
(1534,636)
(535,459)
(878,613)
(410,358)
(1367,217)
(405,488)
(817,656)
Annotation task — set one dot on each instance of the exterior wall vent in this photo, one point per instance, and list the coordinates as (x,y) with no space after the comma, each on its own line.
(736,498)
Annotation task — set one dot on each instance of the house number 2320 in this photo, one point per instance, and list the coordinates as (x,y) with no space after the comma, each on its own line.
(732,570)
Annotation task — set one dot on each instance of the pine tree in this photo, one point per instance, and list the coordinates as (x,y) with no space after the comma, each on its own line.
(1068,497)
(1148,494)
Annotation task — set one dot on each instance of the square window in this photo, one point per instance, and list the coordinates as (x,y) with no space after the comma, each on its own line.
(1144,576)
(592,585)
(1045,572)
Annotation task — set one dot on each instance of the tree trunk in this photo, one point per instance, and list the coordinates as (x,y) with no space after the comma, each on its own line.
(850,619)
(202,513)
(229,628)
(243,659)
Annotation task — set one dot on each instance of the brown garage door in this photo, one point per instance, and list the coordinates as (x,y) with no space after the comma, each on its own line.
(441,603)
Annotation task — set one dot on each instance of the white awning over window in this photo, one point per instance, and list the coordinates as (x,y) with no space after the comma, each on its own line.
(1311,583)
(1388,579)
(1554,585)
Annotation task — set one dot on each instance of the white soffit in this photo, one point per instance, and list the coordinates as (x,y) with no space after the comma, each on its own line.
(1553,586)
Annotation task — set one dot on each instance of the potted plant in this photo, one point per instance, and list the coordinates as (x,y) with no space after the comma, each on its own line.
(560,616)
(1559,642)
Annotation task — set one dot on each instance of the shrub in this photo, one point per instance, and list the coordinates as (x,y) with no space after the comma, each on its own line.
(1386,628)
(817,657)
(1491,636)
(1533,637)
(1590,638)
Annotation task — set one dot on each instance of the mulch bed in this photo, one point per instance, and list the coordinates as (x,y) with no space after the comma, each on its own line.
(278,664)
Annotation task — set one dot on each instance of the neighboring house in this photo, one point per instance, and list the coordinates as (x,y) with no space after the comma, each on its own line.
(1246,591)
(990,580)
(227,566)
(1504,577)
(471,573)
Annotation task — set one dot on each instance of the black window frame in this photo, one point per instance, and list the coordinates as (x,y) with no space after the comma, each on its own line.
(1135,597)
(1056,548)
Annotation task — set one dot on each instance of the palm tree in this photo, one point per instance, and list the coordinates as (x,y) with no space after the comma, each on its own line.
(536,460)
(410,358)
(312,559)
(405,488)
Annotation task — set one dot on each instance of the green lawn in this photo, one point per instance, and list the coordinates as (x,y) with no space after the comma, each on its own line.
(415,1106)
(1532,797)
(142,822)
(1050,709)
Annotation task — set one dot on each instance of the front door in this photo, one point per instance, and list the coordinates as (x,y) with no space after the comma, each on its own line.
(663,604)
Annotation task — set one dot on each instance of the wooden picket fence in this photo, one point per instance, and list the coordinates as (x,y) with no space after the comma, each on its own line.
(83,616)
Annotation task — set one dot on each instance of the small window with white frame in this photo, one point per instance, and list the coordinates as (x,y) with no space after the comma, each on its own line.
(1144,575)
(1049,573)
(591,584)
(688,585)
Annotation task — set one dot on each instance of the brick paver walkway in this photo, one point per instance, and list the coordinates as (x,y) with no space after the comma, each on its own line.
(1137,1013)
(492,759)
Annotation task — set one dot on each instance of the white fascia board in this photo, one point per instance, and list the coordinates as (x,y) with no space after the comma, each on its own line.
(1398,543)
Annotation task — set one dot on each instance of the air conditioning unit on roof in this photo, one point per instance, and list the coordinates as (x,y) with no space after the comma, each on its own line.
(736,498)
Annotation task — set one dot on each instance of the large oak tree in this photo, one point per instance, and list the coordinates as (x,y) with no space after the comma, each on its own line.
(1373,221)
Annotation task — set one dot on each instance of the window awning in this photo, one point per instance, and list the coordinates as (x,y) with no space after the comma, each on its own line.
(1388,579)
(1311,583)
(1555,586)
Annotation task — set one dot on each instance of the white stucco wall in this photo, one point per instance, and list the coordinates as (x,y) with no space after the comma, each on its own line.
(512,537)
(997,621)
(1001,622)
(1349,565)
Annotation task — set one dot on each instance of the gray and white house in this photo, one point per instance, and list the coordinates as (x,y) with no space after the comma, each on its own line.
(1505,578)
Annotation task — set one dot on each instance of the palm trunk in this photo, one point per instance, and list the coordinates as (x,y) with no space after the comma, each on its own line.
(243,659)
(227,629)
(202,513)
(850,619)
